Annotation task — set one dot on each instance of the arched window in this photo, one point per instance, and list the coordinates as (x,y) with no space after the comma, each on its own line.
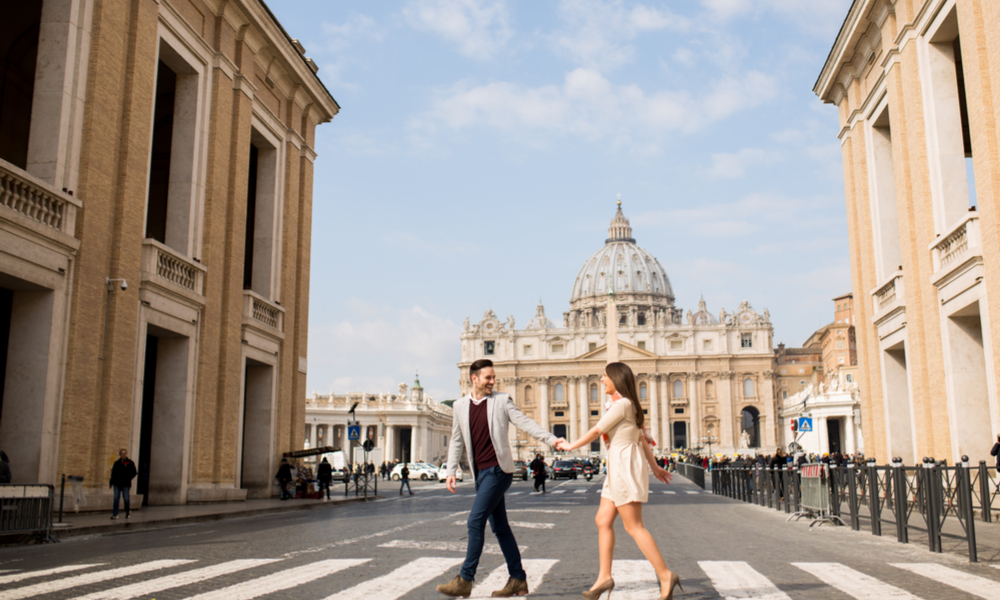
(709,389)
(678,389)
(642,391)
(560,394)
(529,394)
(748,388)
(594,398)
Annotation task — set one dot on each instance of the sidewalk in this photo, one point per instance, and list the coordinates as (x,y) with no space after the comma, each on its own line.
(157,517)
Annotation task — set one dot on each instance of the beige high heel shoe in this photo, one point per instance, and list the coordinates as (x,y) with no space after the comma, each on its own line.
(595,593)
(675,581)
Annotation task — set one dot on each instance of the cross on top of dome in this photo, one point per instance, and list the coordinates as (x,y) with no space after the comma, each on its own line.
(620,230)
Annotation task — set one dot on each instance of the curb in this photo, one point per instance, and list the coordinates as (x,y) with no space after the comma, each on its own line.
(134,526)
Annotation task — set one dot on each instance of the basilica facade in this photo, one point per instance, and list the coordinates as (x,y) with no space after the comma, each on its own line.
(705,380)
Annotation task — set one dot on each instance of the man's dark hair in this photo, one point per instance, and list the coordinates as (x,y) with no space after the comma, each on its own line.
(479,365)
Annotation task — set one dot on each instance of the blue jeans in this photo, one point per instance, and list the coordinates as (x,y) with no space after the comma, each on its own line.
(406,482)
(124,493)
(491,484)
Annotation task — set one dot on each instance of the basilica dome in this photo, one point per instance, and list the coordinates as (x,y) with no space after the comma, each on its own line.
(621,265)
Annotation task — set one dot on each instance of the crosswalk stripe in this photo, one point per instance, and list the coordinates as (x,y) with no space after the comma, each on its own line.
(5,579)
(88,578)
(559,492)
(443,546)
(854,583)
(536,570)
(580,492)
(669,492)
(397,583)
(281,581)
(968,583)
(515,493)
(521,524)
(159,584)
(735,580)
(558,511)
(634,580)
(690,492)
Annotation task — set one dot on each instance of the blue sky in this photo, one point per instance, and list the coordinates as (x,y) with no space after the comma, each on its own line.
(481,144)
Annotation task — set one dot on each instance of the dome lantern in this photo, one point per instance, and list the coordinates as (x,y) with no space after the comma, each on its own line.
(619,230)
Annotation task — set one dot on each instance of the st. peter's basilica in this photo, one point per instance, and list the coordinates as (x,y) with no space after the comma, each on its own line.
(703,378)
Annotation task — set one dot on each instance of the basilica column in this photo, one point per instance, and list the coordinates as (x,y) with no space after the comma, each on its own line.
(654,413)
(824,435)
(574,409)
(849,433)
(311,432)
(729,434)
(390,438)
(413,441)
(584,399)
(543,402)
(667,433)
(695,410)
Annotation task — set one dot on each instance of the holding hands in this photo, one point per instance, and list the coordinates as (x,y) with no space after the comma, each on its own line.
(562,445)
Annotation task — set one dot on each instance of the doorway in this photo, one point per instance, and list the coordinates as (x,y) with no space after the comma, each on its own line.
(405,437)
(750,424)
(833,436)
(680,434)
(559,430)
(257,441)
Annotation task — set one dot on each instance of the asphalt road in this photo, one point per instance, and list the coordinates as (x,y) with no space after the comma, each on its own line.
(402,546)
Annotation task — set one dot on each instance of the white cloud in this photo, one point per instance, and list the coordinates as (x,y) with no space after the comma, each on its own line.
(685,57)
(589,106)
(733,165)
(356,27)
(480,28)
(727,9)
(597,32)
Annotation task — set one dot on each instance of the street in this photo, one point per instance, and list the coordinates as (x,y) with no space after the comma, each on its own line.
(402,546)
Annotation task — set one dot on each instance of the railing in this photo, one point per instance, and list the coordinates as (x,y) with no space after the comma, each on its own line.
(693,472)
(888,295)
(961,242)
(167,267)
(892,494)
(27,510)
(260,311)
(34,199)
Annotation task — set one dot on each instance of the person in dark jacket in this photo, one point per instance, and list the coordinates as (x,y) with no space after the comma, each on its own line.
(996,452)
(404,476)
(540,472)
(122,474)
(284,477)
(324,474)
(5,475)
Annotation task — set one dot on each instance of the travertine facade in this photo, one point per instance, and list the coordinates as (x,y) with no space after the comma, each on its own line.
(156,165)
(917,85)
(702,377)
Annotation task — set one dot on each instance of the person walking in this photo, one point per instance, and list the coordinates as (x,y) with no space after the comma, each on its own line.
(324,474)
(284,477)
(404,477)
(540,472)
(480,421)
(994,452)
(626,487)
(5,475)
(122,474)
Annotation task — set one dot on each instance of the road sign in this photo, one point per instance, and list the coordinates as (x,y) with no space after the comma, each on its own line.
(805,424)
(368,445)
(354,432)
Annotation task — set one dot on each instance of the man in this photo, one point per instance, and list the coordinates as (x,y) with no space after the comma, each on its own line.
(122,474)
(324,475)
(284,477)
(479,426)
(404,477)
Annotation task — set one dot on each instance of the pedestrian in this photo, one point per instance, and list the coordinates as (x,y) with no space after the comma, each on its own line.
(994,452)
(122,474)
(540,472)
(626,487)
(5,475)
(324,474)
(404,477)
(480,421)
(284,477)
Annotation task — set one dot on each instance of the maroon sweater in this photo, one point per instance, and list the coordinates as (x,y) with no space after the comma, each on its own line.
(479,430)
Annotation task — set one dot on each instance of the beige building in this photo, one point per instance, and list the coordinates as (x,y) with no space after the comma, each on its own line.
(703,378)
(155,210)
(917,85)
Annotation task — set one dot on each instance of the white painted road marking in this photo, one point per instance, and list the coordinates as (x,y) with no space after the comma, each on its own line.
(968,583)
(634,580)
(535,568)
(281,580)
(443,546)
(559,492)
(521,524)
(559,511)
(580,492)
(159,584)
(362,538)
(854,583)
(89,578)
(690,492)
(5,579)
(669,492)
(397,583)
(736,580)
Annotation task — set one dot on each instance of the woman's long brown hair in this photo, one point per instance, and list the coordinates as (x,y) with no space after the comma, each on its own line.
(621,375)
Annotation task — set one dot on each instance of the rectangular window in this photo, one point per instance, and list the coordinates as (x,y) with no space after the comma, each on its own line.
(784,395)
(678,411)
(802,370)
(595,413)
(849,377)
(488,347)
(802,382)
(676,345)
(558,348)
(840,360)
(527,349)
(782,371)
(840,343)
(258,252)
(641,319)
(746,340)
(593,393)
(591,346)
(19,45)
(645,411)
(642,391)
(706,344)
(559,413)
(641,345)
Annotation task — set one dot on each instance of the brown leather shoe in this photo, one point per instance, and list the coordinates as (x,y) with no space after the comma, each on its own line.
(514,587)
(456,588)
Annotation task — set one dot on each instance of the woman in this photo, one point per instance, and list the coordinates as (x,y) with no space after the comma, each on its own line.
(540,472)
(626,486)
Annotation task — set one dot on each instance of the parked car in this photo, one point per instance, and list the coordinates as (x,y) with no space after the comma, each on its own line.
(520,470)
(564,469)
(419,471)
(442,474)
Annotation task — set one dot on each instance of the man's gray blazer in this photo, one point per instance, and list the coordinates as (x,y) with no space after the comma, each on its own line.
(502,412)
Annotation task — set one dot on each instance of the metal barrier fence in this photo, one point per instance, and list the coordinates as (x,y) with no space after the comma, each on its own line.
(692,472)
(889,494)
(27,510)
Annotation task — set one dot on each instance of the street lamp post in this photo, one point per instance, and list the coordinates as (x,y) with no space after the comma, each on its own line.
(709,439)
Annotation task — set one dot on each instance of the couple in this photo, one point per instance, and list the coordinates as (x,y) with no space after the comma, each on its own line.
(481,421)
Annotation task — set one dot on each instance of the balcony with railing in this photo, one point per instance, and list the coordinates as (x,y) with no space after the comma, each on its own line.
(36,205)
(889,296)
(953,252)
(262,313)
(164,267)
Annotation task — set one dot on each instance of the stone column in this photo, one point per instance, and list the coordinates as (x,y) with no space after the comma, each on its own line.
(849,434)
(729,434)
(389,440)
(311,432)
(654,414)
(574,409)
(543,402)
(667,432)
(695,410)
(584,406)
(414,430)
(824,438)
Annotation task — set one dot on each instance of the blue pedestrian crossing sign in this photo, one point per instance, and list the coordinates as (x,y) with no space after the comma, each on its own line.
(354,432)
(805,424)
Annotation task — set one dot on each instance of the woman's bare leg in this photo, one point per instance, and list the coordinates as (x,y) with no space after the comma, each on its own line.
(605,520)
(632,520)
